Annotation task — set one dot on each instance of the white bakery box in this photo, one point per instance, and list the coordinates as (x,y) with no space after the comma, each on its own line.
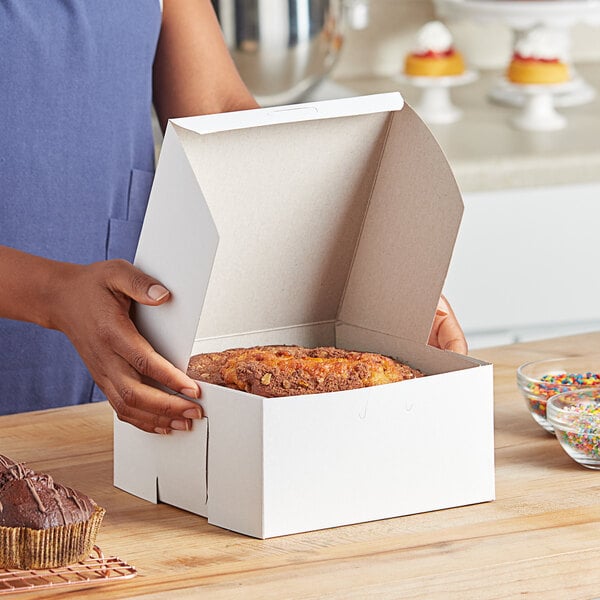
(329,223)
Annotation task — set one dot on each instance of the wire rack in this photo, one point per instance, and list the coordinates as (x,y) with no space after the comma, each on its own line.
(94,570)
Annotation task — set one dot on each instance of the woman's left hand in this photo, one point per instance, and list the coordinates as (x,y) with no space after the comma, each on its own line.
(446,333)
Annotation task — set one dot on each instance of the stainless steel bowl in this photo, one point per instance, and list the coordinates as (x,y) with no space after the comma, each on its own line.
(282,48)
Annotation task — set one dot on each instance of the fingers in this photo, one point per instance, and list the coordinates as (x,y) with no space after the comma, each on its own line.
(446,332)
(140,355)
(142,405)
(149,408)
(458,345)
(123,277)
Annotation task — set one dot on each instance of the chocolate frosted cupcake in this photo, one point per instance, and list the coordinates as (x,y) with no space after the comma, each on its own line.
(43,524)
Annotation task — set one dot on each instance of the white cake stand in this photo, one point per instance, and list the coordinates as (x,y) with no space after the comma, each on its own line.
(520,16)
(539,112)
(580,92)
(435,105)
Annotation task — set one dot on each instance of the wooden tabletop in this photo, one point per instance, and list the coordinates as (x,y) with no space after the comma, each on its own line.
(540,537)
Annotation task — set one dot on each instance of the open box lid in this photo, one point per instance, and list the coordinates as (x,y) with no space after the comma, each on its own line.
(344,210)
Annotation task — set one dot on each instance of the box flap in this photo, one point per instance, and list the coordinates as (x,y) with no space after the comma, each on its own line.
(408,235)
(177,246)
(291,191)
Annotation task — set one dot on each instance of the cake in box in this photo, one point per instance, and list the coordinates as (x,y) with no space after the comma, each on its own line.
(275,371)
(323,225)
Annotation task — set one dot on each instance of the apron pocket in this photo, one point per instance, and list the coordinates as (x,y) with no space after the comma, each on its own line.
(122,238)
(140,185)
(123,234)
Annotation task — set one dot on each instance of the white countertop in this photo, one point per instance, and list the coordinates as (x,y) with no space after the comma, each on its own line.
(487,153)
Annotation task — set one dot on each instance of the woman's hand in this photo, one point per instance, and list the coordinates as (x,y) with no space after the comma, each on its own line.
(90,304)
(446,333)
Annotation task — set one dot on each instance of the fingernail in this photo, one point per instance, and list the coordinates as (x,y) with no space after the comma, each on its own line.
(161,430)
(441,313)
(192,413)
(157,292)
(191,392)
(180,425)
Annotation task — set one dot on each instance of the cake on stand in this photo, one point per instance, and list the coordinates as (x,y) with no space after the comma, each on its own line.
(435,66)
(539,71)
(521,16)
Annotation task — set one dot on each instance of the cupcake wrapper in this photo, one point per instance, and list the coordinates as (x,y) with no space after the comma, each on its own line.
(25,548)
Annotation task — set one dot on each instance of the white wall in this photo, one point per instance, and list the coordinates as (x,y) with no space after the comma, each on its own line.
(525,264)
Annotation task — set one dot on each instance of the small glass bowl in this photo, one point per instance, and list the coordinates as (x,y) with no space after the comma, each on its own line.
(541,379)
(575,417)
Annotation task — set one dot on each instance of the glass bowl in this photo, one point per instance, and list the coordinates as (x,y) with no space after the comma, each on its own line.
(541,379)
(575,417)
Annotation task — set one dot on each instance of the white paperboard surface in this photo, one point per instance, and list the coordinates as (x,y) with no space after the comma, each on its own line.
(328,223)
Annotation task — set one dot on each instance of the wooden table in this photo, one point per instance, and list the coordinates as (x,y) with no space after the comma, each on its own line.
(540,538)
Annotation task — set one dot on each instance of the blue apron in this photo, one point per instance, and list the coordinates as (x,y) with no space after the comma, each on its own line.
(76,162)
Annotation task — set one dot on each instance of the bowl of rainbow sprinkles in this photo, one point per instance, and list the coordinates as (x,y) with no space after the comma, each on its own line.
(575,418)
(540,380)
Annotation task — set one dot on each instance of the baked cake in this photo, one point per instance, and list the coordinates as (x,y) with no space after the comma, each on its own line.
(43,524)
(434,54)
(539,58)
(274,371)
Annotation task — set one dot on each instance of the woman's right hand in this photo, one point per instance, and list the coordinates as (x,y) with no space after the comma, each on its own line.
(91,305)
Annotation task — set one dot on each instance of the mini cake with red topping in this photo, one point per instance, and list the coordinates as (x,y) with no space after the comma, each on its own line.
(539,59)
(43,524)
(434,54)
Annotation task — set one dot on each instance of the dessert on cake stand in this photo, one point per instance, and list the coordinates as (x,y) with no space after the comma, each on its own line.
(539,71)
(435,66)
(435,104)
(521,16)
